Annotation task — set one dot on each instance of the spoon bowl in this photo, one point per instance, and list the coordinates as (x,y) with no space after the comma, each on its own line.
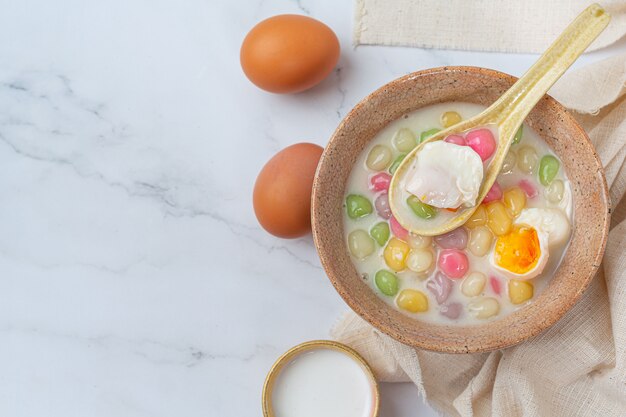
(505,117)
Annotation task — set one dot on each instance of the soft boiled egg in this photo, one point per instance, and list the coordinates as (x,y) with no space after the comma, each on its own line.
(445,175)
(523,252)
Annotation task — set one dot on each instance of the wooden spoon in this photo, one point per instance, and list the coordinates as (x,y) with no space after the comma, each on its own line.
(506,116)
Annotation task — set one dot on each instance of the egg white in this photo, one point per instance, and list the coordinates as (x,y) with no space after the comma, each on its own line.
(552,222)
(445,175)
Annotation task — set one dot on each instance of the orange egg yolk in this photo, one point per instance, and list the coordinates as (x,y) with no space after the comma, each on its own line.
(518,251)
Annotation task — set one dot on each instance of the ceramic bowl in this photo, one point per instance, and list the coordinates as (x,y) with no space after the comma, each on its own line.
(475,85)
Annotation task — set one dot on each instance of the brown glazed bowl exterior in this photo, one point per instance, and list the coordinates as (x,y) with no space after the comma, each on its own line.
(475,85)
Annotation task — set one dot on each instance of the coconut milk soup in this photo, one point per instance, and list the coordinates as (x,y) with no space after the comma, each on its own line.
(499,261)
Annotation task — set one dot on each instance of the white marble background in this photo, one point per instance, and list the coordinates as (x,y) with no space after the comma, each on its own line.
(134,279)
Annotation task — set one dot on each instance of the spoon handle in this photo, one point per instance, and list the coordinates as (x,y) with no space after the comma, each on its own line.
(519,100)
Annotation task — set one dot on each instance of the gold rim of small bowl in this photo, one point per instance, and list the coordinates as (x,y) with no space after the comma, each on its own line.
(285,358)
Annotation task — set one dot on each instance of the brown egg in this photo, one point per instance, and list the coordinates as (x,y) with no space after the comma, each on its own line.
(289,53)
(282,192)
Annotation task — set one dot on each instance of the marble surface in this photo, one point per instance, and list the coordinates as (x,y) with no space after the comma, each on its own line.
(134,279)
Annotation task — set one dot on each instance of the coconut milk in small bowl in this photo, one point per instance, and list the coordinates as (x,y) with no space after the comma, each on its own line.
(320,378)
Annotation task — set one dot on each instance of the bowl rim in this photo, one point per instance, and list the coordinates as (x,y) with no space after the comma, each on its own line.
(506,340)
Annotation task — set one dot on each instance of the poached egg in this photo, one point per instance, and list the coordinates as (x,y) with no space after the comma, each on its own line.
(445,175)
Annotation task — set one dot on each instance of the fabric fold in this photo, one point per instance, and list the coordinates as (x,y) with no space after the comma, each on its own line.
(496,25)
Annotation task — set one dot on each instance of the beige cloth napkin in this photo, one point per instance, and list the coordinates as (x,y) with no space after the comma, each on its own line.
(487,25)
(578,366)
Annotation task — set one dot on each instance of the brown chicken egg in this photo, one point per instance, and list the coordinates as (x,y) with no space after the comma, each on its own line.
(289,53)
(282,192)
